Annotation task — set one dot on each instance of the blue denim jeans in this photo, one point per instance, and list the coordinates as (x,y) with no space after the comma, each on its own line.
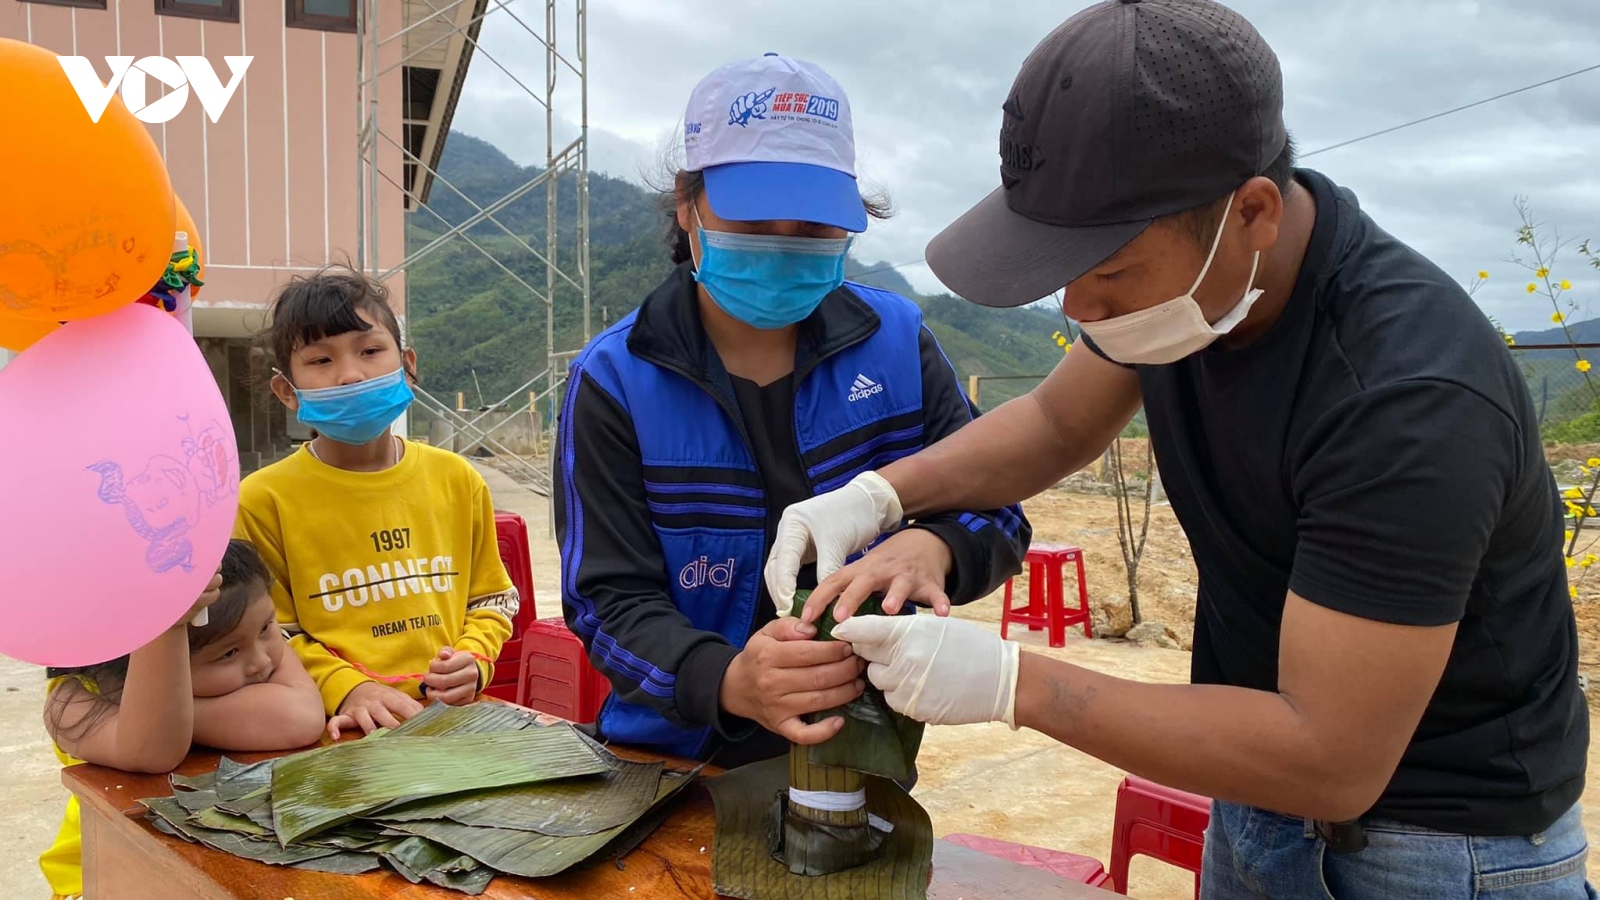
(1254,853)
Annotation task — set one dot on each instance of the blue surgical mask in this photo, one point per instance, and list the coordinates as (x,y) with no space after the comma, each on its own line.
(769,281)
(356,413)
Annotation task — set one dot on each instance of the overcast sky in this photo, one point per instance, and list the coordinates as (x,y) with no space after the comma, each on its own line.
(926,79)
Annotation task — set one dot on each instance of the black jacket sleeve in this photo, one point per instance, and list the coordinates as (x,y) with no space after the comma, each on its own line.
(987,546)
(614,591)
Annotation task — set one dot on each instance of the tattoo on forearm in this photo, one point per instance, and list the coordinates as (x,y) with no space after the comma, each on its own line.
(1066,698)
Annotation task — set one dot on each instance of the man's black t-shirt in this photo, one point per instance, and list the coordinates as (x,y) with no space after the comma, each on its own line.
(1377,453)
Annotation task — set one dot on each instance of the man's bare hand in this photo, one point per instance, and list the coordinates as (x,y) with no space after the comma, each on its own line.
(912,565)
(781,675)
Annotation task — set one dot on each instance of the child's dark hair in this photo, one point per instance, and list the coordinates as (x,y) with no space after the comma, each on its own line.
(244,577)
(325,304)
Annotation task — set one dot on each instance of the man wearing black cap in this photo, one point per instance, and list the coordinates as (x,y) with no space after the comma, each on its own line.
(1385,698)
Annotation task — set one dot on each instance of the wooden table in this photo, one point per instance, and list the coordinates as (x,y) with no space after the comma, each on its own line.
(125,858)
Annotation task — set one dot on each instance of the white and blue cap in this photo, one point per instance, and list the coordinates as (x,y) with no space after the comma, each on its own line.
(772,135)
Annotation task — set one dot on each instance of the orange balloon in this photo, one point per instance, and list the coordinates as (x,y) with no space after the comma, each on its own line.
(87,213)
(17,333)
(186,224)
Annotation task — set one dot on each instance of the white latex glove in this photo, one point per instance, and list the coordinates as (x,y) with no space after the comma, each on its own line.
(828,528)
(939,671)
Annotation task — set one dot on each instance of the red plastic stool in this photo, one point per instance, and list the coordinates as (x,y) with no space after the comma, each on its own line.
(1071,866)
(1159,822)
(556,675)
(1046,603)
(511,534)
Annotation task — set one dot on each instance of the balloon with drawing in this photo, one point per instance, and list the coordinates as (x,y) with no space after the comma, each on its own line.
(120,484)
(165,500)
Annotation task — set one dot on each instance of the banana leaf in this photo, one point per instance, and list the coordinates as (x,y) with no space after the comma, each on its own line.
(235,780)
(195,801)
(218,820)
(875,739)
(418,860)
(527,853)
(205,781)
(167,811)
(255,806)
(668,793)
(437,720)
(320,789)
(570,808)
(744,863)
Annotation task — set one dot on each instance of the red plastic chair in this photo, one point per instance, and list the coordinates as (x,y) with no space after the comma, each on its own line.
(511,533)
(556,675)
(1159,822)
(1071,866)
(1046,602)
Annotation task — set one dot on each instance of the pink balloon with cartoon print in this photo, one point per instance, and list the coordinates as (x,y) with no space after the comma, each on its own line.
(119,482)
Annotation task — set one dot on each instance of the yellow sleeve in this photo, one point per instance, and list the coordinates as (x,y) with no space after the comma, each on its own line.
(334,677)
(492,600)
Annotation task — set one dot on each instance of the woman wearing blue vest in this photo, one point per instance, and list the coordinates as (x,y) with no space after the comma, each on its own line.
(752,378)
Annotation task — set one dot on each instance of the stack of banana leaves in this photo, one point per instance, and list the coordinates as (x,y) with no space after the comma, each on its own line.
(832,820)
(453,796)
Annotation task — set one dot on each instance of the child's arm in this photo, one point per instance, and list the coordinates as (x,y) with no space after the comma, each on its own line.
(283,713)
(149,729)
(494,603)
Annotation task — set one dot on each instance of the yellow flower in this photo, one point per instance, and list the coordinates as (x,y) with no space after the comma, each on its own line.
(1571,562)
(1541,272)
(1573,494)
(1574,509)
(1583,470)
(1589,559)
(1592,462)
(1569,534)
(1591,512)
(1510,341)
(1557,318)
(1532,287)
(1483,275)
(1572,591)
(1581,365)
(1566,285)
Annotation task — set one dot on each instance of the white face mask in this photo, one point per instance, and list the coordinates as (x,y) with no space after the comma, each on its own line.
(1167,332)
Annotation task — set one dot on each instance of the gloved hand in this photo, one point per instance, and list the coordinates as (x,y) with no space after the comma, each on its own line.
(828,528)
(935,670)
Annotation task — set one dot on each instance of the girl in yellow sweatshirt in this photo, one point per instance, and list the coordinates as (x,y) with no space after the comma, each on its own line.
(389,579)
(229,684)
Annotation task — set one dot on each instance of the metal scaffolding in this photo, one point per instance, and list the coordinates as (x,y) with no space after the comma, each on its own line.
(426,25)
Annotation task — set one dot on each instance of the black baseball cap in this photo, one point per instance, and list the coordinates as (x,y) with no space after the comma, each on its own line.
(1130,111)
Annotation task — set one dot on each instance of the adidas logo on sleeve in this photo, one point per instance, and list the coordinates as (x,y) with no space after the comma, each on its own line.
(863,387)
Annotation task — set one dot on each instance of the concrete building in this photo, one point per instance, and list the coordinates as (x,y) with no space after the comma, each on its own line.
(272,185)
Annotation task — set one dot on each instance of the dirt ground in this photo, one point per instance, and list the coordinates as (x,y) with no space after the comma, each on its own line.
(981,779)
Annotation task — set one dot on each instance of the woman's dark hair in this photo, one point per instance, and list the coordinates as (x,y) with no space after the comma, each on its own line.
(1200,223)
(688,186)
(244,577)
(325,304)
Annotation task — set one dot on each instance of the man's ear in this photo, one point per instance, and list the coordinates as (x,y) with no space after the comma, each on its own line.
(284,391)
(1261,206)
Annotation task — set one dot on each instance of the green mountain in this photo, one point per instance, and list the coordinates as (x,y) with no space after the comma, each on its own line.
(478,323)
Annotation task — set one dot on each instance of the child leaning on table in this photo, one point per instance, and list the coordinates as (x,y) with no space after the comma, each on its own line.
(390,583)
(229,684)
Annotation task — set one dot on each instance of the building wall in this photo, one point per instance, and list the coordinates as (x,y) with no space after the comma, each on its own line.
(272,185)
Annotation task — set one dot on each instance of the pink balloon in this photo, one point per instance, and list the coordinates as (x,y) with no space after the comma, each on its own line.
(119,481)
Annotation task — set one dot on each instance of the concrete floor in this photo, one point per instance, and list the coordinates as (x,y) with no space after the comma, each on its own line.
(982,779)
